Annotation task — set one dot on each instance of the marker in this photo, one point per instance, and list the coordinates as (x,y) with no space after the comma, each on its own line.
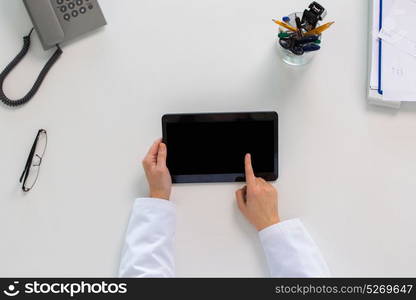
(283,35)
(287,26)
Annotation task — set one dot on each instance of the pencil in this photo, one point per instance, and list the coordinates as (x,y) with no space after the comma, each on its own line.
(320,29)
(287,26)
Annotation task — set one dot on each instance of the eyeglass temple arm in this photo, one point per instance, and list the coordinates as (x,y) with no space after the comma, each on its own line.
(25,173)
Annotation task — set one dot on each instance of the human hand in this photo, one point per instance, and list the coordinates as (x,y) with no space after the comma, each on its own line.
(258,199)
(157,173)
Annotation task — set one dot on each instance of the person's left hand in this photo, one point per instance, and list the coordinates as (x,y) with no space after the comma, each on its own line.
(157,173)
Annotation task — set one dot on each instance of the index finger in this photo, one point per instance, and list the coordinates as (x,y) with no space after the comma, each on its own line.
(250,177)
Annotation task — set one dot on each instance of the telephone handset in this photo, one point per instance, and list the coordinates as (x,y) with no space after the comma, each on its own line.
(46,22)
(56,22)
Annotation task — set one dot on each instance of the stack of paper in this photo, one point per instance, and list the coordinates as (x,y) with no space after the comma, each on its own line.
(375,43)
(393,51)
(375,88)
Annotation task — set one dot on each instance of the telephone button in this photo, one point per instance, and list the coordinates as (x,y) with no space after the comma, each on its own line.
(63,8)
(74,13)
(67,17)
(83,10)
(71,5)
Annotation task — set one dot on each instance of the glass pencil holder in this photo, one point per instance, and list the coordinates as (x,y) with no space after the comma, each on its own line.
(288,56)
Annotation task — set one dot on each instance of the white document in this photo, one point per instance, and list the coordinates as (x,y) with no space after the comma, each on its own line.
(399,26)
(398,74)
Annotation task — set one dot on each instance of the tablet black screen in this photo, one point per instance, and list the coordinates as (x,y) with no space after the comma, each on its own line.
(219,147)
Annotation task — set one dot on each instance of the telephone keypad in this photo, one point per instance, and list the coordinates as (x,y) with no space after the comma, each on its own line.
(73,8)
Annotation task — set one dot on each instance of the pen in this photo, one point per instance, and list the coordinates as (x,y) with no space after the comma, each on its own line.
(319,29)
(308,39)
(311,47)
(287,26)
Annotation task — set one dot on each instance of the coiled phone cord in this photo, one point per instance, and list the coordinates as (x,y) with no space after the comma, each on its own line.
(39,80)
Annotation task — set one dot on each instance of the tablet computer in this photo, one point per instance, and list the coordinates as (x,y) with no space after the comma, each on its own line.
(211,147)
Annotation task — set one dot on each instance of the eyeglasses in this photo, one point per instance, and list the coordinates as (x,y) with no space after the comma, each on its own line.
(31,172)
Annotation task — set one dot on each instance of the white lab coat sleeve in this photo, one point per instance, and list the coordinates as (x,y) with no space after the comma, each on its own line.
(148,250)
(291,252)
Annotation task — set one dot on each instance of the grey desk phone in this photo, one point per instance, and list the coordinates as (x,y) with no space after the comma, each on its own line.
(56,22)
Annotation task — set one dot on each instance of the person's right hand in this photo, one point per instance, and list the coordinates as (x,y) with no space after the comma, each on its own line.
(157,173)
(258,199)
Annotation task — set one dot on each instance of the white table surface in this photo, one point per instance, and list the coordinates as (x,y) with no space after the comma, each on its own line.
(346,169)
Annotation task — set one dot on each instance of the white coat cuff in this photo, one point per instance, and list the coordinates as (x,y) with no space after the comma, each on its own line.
(277,230)
(149,242)
(291,252)
(154,202)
